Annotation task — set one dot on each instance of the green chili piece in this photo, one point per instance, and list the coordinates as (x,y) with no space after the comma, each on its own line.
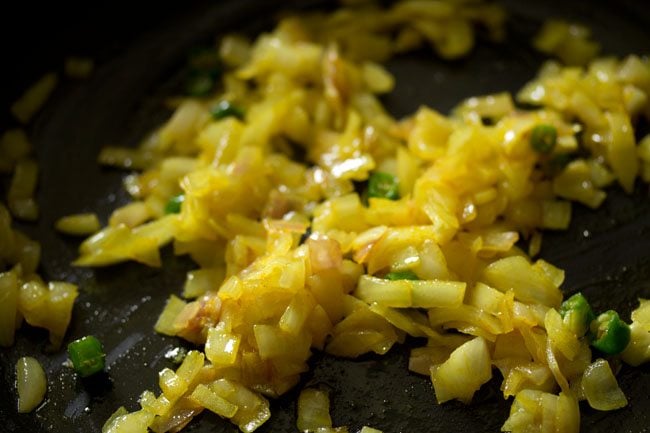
(543,138)
(199,84)
(577,314)
(611,335)
(204,72)
(87,355)
(226,109)
(402,275)
(174,204)
(383,185)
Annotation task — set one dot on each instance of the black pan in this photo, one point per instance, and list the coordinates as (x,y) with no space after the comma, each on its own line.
(140,49)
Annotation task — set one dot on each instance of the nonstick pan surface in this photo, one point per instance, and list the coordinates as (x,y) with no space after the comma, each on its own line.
(140,50)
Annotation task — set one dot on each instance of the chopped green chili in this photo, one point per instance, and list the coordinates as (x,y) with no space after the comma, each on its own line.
(205,69)
(87,355)
(174,204)
(543,138)
(199,84)
(401,275)
(383,185)
(577,314)
(611,335)
(226,109)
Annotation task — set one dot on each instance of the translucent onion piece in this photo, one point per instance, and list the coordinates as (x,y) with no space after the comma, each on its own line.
(638,350)
(467,368)
(313,410)
(78,225)
(600,387)
(31,384)
(136,422)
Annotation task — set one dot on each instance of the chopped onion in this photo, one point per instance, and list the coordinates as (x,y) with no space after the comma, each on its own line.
(313,410)
(467,368)
(600,387)
(31,384)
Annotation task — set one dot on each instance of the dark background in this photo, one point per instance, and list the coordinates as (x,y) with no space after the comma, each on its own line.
(139,48)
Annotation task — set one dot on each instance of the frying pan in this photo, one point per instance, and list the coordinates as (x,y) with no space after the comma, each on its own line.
(139,48)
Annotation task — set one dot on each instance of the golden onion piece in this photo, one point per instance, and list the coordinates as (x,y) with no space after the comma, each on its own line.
(460,376)
(570,42)
(600,387)
(48,306)
(528,281)
(203,396)
(637,351)
(253,409)
(31,384)
(34,98)
(535,410)
(123,422)
(641,314)
(79,224)
(313,410)
(21,191)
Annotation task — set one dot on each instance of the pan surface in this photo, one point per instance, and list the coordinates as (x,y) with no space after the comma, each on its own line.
(139,51)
